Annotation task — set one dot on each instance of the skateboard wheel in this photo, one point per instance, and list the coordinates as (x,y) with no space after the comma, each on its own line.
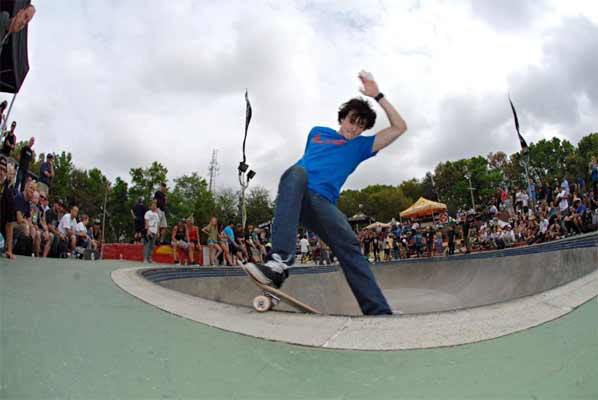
(262,303)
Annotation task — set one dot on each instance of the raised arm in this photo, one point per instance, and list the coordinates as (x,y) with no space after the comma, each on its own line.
(397,123)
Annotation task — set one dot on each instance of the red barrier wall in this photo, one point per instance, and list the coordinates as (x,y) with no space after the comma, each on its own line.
(134,252)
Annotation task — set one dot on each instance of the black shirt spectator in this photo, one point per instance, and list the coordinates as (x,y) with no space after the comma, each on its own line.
(22,205)
(9,142)
(161,199)
(26,156)
(46,170)
(7,206)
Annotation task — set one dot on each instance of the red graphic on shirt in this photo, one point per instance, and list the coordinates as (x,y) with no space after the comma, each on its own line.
(337,142)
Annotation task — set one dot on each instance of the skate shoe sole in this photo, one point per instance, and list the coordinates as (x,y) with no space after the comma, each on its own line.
(257,274)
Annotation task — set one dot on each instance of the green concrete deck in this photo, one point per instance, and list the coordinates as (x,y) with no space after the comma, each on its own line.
(66,331)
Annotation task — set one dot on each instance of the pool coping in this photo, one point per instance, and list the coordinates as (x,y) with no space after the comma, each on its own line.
(414,331)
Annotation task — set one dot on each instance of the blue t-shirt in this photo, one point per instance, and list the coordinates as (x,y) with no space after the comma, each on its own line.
(230,233)
(22,205)
(329,159)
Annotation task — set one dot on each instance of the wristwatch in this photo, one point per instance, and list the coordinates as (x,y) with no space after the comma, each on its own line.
(379,96)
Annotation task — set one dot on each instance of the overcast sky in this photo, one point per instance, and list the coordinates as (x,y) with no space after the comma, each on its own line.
(120,84)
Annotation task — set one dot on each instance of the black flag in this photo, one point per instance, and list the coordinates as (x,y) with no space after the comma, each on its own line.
(524,148)
(247,120)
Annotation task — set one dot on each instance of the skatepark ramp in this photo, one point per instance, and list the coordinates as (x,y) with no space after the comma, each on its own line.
(413,286)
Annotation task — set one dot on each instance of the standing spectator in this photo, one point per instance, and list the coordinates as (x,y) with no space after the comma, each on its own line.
(46,173)
(451,240)
(304,244)
(214,247)
(594,174)
(160,197)
(565,185)
(531,191)
(138,213)
(10,140)
(24,160)
(152,222)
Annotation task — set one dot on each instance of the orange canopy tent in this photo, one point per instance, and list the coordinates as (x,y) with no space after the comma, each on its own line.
(422,208)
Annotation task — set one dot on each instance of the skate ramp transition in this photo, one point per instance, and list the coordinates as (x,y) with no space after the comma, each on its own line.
(415,286)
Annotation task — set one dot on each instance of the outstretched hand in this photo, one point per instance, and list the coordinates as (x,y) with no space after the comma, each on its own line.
(370,87)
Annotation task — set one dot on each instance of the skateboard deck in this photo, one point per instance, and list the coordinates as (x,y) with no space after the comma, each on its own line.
(272,296)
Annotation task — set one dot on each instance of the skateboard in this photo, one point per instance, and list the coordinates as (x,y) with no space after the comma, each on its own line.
(271,297)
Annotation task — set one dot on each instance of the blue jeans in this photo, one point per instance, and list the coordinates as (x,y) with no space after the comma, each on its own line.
(296,204)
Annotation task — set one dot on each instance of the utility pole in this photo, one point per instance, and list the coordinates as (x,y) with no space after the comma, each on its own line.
(468,177)
(213,169)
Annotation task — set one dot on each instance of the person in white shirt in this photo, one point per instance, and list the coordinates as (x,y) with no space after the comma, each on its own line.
(152,219)
(304,243)
(83,239)
(563,199)
(508,236)
(67,225)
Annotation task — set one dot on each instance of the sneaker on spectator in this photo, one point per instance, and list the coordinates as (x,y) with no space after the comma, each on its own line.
(272,273)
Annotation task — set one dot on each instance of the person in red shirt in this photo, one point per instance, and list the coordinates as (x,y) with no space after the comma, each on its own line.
(194,244)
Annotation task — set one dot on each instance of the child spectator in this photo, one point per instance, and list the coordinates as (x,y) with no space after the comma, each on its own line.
(152,223)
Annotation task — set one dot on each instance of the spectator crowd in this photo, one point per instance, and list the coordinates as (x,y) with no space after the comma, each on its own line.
(29,224)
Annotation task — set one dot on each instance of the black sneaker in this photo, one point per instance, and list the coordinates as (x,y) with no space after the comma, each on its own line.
(272,273)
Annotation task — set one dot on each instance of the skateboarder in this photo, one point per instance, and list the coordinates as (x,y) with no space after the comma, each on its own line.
(309,189)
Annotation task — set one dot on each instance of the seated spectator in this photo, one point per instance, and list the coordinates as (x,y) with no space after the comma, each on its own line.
(508,236)
(54,215)
(23,230)
(7,207)
(47,237)
(180,239)
(83,240)
(223,241)
(194,245)
(66,228)
(36,231)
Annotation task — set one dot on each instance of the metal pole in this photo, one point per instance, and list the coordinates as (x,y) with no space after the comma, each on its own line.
(471,192)
(104,222)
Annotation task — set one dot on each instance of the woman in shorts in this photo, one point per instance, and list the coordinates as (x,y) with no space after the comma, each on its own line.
(214,243)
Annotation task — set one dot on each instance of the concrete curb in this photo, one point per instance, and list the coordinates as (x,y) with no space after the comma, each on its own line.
(423,331)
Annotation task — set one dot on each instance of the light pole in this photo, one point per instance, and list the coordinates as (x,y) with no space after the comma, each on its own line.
(468,177)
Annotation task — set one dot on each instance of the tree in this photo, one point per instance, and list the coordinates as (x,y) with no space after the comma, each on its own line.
(352,202)
(145,181)
(119,223)
(190,197)
(388,203)
(88,190)
(586,148)
(412,189)
(227,206)
(62,182)
(259,206)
